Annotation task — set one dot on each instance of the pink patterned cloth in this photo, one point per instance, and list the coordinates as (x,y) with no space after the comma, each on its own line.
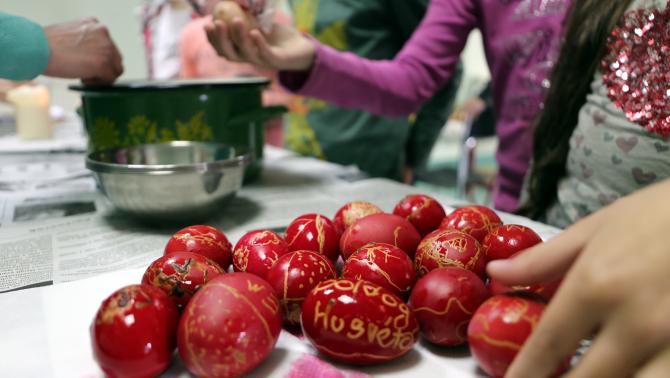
(310,366)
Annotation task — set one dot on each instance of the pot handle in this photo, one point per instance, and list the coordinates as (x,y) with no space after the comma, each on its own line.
(259,115)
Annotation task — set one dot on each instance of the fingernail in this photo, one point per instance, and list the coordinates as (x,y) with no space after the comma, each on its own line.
(498,264)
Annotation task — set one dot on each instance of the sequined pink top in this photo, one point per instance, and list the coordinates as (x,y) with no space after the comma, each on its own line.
(520,38)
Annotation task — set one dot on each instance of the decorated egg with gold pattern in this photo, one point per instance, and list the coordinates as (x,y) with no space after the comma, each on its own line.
(380,228)
(313,232)
(442,248)
(498,330)
(424,212)
(134,332)
(180,275)
(383,264)
(353,211)
(257,251)
(229,327)
(474,220)
(293,276)
(203,240)
(443,302)
(358,322)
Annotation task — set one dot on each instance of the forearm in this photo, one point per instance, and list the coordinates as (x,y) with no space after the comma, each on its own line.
(397,87)
(24,46)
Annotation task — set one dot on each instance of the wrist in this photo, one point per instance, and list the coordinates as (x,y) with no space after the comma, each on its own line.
(306,56)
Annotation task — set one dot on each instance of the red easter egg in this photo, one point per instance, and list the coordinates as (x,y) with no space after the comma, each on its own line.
(424,212)
(358,322)
(474,220)
(442,248)
(313,232)
(380,228)
(257,251)
(203,240)
(353,211)
(134,331)
(498,330)
(443,302)
(546,290)
(383,264)
(506,240)
(229,327)
(294,275)
(180,275)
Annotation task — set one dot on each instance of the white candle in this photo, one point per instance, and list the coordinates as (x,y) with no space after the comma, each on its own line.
(32,111)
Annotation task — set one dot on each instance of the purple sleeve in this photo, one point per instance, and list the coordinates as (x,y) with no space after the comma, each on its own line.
(392,87)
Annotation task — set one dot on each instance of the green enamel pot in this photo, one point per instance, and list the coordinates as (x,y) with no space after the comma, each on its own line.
(226,111)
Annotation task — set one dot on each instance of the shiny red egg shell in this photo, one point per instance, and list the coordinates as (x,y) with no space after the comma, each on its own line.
(442,248)
(134,332)
(230,326)
(353,211)
(257,251)
(180,275)
(498,330)
(508,239)
(545,291)
(380,228)
(474,220)
(383,264)
(294,275)
(313,232)
(203,240)
(358,322)
(443,302)
(424,212)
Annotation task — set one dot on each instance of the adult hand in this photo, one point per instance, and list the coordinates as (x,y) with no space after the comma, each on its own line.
(284,48)
(617,288)
(83,49)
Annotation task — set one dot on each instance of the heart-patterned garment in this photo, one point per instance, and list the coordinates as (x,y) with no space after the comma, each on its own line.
(611,155)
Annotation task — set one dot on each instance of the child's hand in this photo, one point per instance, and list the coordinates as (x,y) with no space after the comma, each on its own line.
(284,48)
(617,287)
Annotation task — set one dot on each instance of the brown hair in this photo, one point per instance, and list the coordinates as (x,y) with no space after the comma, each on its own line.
(587,27)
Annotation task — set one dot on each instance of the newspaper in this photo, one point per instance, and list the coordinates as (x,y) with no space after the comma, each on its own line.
(44,186)
(68,231)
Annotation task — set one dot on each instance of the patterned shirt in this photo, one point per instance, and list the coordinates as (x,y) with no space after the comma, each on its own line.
(610,155)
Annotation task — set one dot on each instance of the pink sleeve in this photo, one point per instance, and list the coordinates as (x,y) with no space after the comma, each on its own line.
(399,86)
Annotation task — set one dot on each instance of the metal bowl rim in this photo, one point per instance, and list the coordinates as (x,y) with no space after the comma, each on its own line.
(100,167)
(202,167)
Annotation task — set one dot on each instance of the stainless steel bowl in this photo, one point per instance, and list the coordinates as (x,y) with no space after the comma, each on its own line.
(175,181)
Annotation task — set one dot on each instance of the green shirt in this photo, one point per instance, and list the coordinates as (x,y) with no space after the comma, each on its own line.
(24,49)
(380,146)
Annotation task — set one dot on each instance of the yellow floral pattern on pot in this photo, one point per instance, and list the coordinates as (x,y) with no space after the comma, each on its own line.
(140,129)
(194,129)
(104,134)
